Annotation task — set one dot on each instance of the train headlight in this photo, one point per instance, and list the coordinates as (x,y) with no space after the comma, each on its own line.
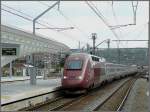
(80,77)
(65,77)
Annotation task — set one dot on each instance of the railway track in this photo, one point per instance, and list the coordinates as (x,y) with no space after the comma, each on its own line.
(119,96)
(98,99)
(101,102)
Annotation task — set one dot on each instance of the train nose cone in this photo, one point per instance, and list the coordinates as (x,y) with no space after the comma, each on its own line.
(72,81)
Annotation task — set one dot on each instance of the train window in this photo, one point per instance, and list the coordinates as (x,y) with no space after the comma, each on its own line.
(95,58)
(74,64)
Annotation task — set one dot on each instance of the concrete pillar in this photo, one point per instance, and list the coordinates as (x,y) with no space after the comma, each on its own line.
(149,51)
(24,71)
(45,74)
(10,69)
(32,72)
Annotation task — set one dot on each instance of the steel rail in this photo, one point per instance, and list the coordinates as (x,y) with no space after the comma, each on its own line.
(105,100)
(41,104)
(67,103)
(125,98)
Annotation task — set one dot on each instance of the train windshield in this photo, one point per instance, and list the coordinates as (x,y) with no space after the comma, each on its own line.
(74,64)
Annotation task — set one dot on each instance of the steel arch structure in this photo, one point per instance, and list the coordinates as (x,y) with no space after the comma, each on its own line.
(28,43)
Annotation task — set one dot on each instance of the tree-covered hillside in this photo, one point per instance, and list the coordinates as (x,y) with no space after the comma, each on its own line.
(131,56)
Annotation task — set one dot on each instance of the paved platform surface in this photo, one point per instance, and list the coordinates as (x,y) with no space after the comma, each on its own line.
(22,89)
(137,100)
(21,78)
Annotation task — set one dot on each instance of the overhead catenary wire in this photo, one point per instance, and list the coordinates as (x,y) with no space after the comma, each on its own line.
(142,31)
(16,10)
(25,14)
(39,22)
(29,19)
(134,11)
(122,25)
(105,22)
(139,30)
(70,22)
(83,33)
(116,20)
(105,18)
(98,10)
(97,13)
(55,30)
(135,30)
(134,7)
(138,36)
(102,19)
(26,18)
(115,17)
(102,16)
(114,14)
(68,19)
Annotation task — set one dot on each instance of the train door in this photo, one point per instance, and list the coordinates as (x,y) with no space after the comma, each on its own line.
(102,71)
(90,73)
(97,71)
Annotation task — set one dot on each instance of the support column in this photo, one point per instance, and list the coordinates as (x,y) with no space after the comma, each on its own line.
(10,69)
(149,51)
(31,70)
(24,72)
(94,36)
(32,75)
(108,42)
(35,19)
(45,71)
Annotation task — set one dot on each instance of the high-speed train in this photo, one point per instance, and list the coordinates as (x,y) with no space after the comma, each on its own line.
(84,71)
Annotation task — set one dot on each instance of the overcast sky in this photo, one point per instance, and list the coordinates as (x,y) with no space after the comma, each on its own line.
(79,15)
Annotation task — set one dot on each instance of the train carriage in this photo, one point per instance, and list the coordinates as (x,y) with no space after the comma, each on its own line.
(83,71)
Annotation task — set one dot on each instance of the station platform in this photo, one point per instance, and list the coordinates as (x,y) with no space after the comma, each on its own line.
(11,92)
(21,78)
(138,99)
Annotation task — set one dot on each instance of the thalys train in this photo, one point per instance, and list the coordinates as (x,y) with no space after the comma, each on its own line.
(85,71)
